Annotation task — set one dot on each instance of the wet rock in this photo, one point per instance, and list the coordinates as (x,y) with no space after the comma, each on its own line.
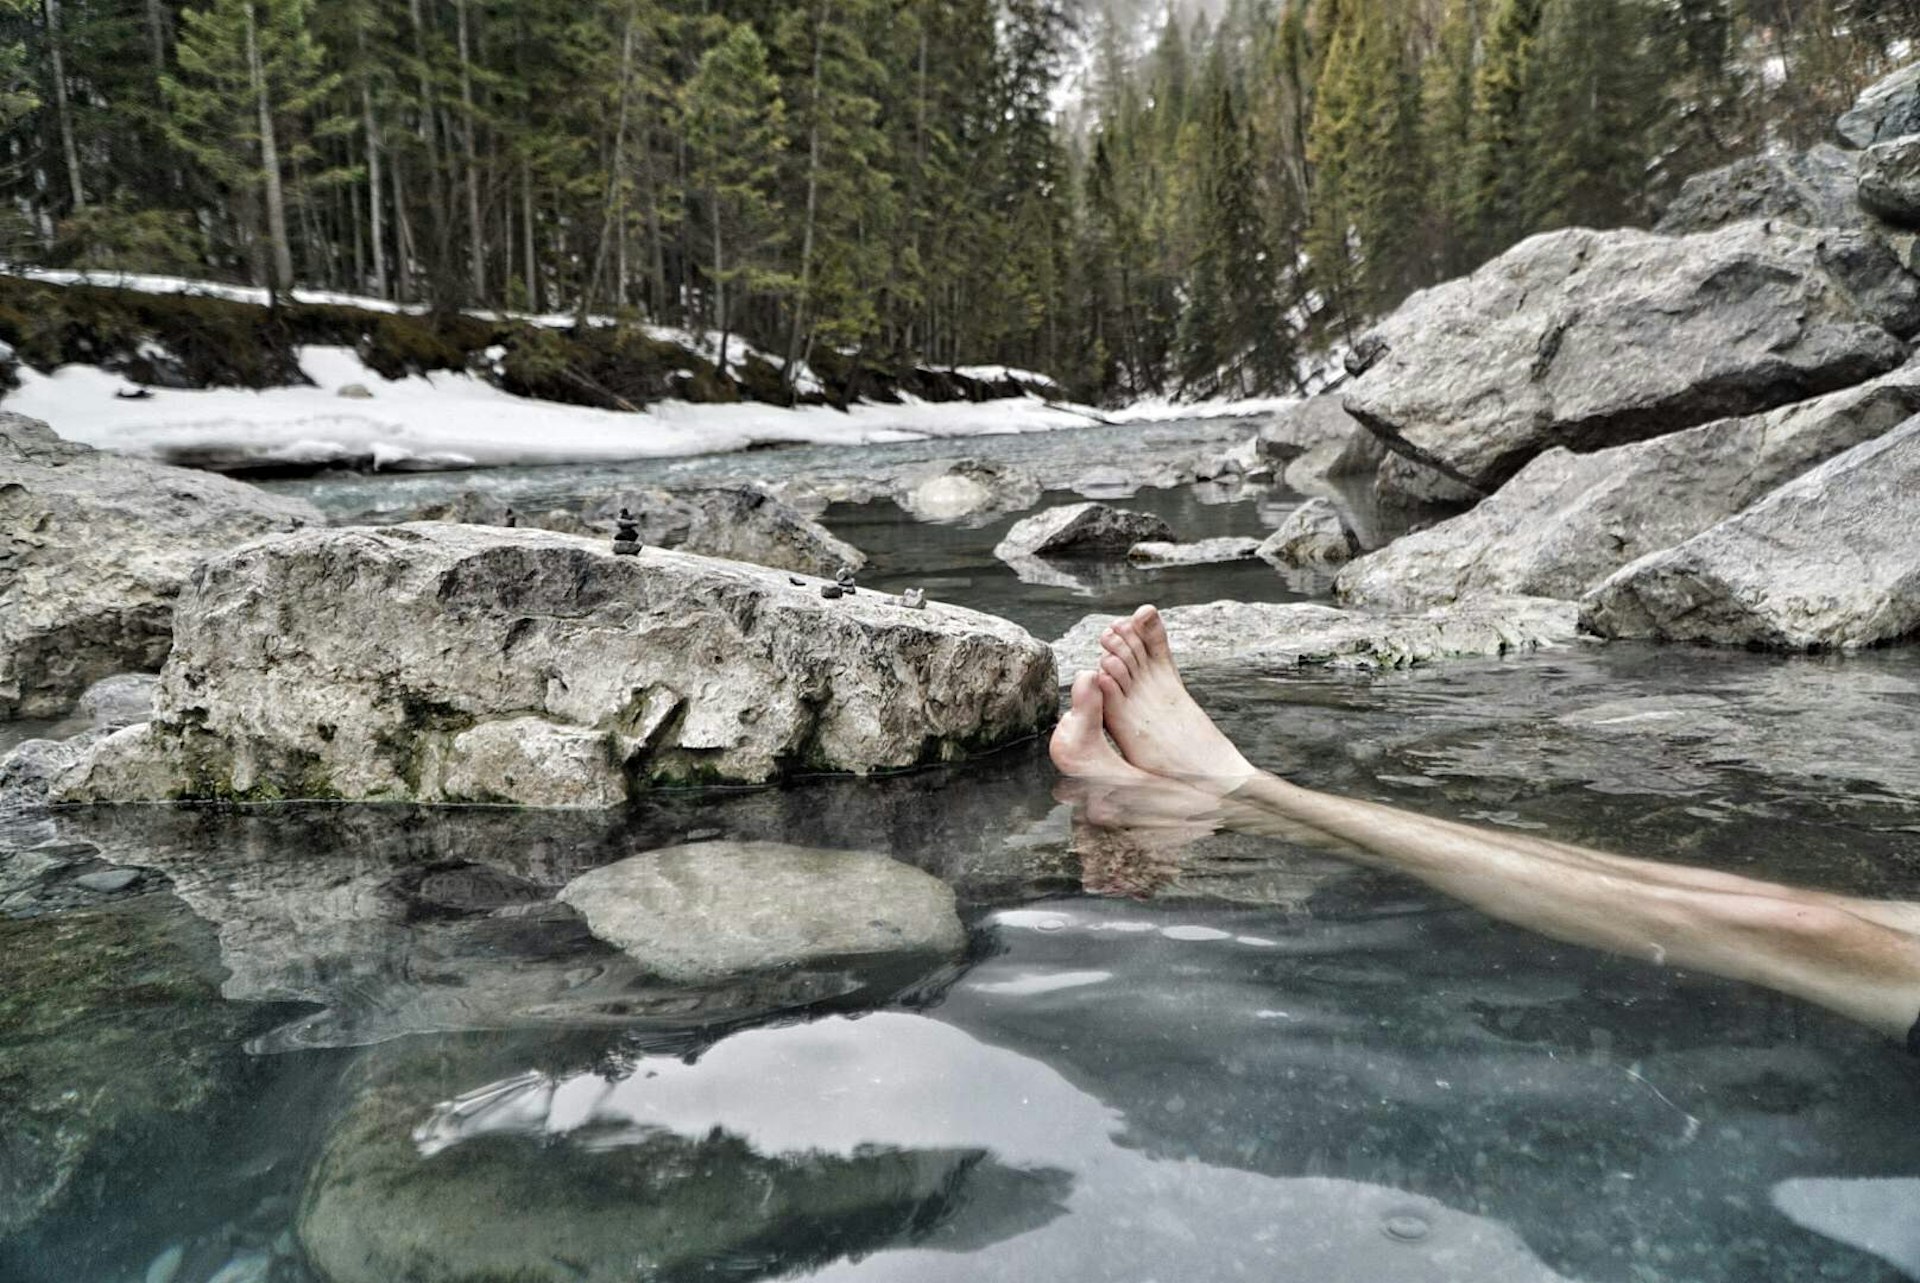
(28,772)
(1315,533)
(968,488)
(1588,339)
(95,546)
(387,649)
(108,881)
(1888,108)
(1824,562)
(1890,180)
(1317,439)
(1813,188)
(1270,636)
(120,700)
(714,910)
(1569,520)
(1400,482)
(1200,553)
(1081,529)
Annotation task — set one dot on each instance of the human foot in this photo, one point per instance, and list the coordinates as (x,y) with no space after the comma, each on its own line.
(1156,723)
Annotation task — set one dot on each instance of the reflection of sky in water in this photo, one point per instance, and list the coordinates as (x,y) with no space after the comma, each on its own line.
(892,1080)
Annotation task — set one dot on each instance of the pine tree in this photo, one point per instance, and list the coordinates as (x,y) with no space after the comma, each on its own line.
(1495,204)
(249,70)
(1589,108)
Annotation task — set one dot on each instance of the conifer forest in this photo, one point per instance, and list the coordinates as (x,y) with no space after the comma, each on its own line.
(1178,202)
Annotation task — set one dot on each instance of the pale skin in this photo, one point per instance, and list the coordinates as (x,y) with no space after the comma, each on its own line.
(1142,752)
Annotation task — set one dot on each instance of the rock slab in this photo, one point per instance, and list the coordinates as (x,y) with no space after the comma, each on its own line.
(1813,188)
(1278,636)
(1314,534)
(1890,180)
(451,663)
(709,911)
(1831,560)
(1588,339)
(94,547)
(1081,529)
(1887,108)
(1568,520)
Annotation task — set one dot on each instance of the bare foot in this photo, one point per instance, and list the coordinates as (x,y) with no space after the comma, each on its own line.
(1156,723)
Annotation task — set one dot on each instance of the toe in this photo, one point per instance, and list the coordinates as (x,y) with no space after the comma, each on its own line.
(1116,668)
(1136,648)
(1152,631)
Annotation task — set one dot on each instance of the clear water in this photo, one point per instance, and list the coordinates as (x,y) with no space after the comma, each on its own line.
(365,1039)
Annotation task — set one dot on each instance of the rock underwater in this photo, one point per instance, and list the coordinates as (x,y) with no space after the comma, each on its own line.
(449,663)
(94,549)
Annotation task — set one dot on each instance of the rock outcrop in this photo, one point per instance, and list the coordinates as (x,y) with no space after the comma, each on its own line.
(1890,180)
(1589,339)
(1888,108)
(710,911)
(446,663)
(94,547)
(1273,637)
(1568,520)
(1317,439)
(1830,560)
(1081,529)
(1813,188)
(1314,534)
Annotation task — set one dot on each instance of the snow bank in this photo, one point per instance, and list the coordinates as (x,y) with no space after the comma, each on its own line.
(456,420)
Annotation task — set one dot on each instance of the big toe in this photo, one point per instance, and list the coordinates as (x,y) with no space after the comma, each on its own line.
(1079,738)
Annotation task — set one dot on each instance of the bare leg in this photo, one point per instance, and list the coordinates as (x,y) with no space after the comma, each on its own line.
(1857,957)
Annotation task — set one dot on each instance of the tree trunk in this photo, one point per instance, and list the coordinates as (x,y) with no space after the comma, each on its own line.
(616,164)
(719,290)
(375,233)
(405,253)
(476,234)
(802,308)
(526,223)
(62,110)
(436,187)
(282,276)
(157,43)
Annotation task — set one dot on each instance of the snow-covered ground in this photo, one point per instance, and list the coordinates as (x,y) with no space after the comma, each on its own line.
(457,420)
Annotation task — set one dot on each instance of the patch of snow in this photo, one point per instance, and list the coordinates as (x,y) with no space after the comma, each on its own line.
(1163,409)
(1001,374)
(453,420)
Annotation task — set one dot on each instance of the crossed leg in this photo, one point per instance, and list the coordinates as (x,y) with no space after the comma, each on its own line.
(1858,957)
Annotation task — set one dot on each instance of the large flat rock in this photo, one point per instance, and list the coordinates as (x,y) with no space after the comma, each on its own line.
(1568,520)
(94,547)
(710,911)
(1278,636)
(1588,339)
(451,663)
(1831,560)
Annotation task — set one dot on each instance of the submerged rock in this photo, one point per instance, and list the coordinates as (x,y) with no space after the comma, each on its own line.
(1829,560)
(1813,188)
(967,489)
(714,910)
(1079,529)
(1315,533)
(94,547)
(446,663)
(1199,553)
(1588,339)
(1888,108)
(1890,180)
(1266,635)
(1569,520)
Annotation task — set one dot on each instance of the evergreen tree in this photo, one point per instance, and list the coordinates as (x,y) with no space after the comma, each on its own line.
(1495,205)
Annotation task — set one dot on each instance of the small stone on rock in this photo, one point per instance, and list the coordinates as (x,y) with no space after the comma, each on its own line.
(107,881)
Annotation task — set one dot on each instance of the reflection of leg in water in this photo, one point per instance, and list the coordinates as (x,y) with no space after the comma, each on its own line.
(1858,957)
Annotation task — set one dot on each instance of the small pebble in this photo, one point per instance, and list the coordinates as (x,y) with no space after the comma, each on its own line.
(107,880)
(830,591)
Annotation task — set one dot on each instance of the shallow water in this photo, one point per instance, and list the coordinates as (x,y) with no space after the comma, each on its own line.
(365,1038)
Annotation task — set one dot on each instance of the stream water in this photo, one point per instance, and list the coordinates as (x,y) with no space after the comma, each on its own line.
(329,1044)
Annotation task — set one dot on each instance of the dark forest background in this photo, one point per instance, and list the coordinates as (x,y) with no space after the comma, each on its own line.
(1136,203)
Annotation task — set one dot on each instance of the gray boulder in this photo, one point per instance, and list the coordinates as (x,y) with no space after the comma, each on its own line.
(1401,482)
(1317,439)
(711,911)
(1569,520)
(968,489)
(739,523)
(1890,180)
(1813,188)
(94,547)
(1201,552)
(448,663)
(1314,534)
(1888,108)
(1830,560)
(1080,529)
(1589,339)
(1274,636)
